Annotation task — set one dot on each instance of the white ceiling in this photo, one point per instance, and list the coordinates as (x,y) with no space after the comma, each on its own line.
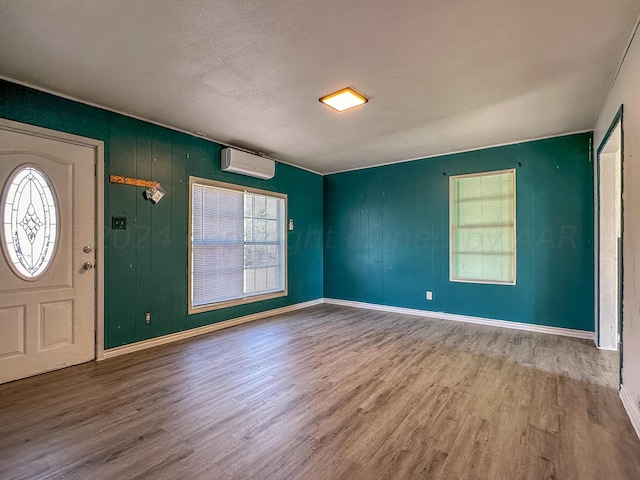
(442,75)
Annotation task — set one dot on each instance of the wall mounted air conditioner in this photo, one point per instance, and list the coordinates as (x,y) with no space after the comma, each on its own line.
(244,163)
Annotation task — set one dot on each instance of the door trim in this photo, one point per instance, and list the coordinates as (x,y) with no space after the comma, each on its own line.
(617,119)
(98,147)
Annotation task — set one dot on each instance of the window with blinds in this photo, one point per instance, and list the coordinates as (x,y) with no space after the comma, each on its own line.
(238,245)
(483,227)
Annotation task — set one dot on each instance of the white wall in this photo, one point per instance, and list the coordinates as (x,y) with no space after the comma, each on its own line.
(626,91)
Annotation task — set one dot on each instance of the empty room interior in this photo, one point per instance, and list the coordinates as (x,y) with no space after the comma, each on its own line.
(320,240)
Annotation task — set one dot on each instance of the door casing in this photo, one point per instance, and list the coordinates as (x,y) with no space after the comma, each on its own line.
(617,120)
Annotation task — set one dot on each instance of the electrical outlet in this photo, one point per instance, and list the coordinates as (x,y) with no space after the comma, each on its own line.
(147,317)
(429,295)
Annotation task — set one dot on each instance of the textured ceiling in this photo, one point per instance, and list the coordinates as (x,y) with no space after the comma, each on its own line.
(442,76)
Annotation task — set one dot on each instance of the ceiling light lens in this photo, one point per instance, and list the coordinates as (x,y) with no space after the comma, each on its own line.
(344,99)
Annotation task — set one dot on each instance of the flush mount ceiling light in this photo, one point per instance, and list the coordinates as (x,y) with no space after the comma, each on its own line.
(344,99)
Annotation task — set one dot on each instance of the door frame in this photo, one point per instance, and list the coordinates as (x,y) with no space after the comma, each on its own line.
(617,120)
(98,147)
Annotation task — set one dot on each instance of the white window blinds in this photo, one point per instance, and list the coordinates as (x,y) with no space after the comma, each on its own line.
(482,227)
(237,244)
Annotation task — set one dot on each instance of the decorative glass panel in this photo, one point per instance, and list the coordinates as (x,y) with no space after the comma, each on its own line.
(30,221)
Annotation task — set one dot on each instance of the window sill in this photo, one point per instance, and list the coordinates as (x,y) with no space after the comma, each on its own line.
(237,301)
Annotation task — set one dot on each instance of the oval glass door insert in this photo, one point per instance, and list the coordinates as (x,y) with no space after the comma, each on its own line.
(30,221)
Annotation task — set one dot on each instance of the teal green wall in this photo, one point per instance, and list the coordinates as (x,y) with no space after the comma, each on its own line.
(146,264)
(386,228)
(387,239)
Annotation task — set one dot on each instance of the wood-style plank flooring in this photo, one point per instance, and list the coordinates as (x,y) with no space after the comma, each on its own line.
(328,393)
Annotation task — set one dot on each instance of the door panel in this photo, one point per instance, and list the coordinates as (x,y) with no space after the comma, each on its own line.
(12,340)
(47,321)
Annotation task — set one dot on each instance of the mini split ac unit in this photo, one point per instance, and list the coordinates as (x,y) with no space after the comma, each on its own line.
(244,163)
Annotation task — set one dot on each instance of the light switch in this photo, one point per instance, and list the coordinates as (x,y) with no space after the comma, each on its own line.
(118,223)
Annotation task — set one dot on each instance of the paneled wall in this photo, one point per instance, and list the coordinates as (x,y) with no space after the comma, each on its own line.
(146,264)
(387,237)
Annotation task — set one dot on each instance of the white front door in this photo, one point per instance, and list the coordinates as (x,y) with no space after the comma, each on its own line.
(47,233)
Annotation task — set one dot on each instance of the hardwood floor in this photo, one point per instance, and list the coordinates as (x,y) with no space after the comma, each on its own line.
(328,393)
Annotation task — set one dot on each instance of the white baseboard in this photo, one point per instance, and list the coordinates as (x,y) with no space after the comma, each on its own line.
(174,337)
(632,409)
(566,332)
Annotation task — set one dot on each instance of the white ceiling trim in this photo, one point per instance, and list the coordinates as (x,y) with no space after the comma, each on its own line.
(213,140)
(615,76)
(153,122)
(455,152)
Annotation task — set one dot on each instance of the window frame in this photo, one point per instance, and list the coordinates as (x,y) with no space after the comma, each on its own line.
(247,298)
(515,252)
